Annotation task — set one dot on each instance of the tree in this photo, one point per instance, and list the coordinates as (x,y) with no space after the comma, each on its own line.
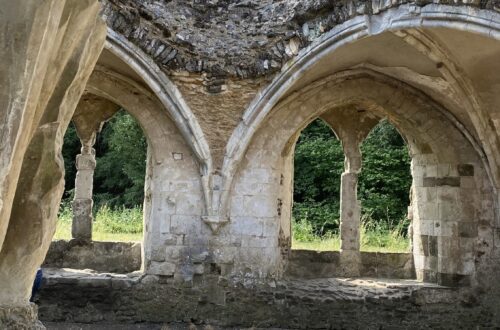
(318,165)
(383,186)
(385,179)
(121,162)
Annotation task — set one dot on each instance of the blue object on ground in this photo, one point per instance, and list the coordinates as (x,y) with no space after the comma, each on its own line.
(37,284)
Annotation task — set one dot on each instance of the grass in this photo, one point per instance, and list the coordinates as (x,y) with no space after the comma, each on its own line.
(375,237)
(125,225)
(122,225)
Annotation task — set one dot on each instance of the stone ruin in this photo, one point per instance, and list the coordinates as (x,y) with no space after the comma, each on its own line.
(222,90)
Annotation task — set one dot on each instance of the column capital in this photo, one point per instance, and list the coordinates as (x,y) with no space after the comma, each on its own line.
(86,161)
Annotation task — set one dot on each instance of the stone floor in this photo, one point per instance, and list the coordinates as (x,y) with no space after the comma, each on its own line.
(95,300)
(141,326)
(81,326)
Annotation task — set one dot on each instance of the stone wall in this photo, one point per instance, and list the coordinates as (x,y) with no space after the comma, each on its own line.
(241,39)
(114,257)
(304,264)
(290,304)
(218,195)
(259,186)
(174,201)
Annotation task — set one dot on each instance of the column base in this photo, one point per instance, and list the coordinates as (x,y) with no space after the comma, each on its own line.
(350,263)
(20,318)
(81,227)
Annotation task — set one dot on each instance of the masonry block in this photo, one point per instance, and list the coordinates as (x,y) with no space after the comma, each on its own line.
(465,169)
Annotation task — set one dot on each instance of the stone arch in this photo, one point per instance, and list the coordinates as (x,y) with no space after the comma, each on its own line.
(173,190)
(351,128)
(449,176)
(406,16)
(172,100)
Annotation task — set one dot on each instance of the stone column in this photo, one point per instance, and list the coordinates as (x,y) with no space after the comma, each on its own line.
(82,203)
(89,117)
(350,209)
(47,52)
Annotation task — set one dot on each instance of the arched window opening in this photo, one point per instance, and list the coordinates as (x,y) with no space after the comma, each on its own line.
(318,165)
(118,181)
(383,189)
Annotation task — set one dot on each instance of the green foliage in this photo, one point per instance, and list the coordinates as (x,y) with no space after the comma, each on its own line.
(318,164)
(383,186)
(377,235)
(303,230)
(121,220)
(385,179)
(121,163)
(374,237)
(322,216)
(119,224)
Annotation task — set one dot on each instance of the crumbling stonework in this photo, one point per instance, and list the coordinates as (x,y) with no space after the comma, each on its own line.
(114,257)
(25,317)
(219,113)
(288,304)
(48,50)
(222,90)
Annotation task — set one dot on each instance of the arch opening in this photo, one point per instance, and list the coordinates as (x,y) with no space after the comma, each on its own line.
(173,194)
(118,180)
(446,171)
(384,190)
(317,167)
(100,221)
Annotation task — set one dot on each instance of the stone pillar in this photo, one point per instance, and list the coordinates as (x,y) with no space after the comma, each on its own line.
(82,204)
(20,317)
(47,53)
(350,210)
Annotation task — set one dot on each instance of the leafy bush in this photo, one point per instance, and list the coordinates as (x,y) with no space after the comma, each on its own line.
(318,164)
(303,231)
(385,179)
(322,216)
(121,163)
(384,235)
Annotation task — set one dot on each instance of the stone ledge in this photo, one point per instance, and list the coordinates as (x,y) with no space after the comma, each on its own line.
(116,257)
(321,264)
(91,297)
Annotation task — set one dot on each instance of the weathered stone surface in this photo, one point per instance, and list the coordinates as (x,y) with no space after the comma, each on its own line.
(242,38)
(233,38)
(245,78)
(314,264)
(322,303)
(38,99)
(114,257)
(219,113)
(81,226)
(90,114)
(20,318)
